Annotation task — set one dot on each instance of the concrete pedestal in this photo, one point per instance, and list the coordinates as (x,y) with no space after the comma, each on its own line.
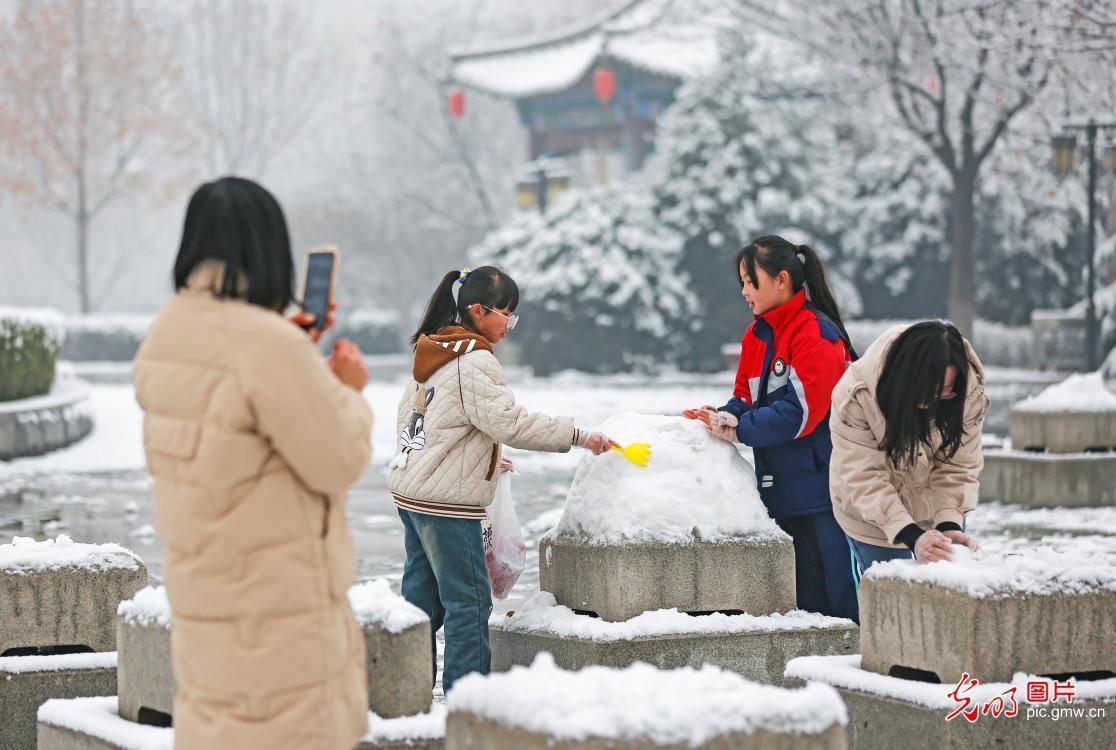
(617,582)
(26,682)
(1046,480)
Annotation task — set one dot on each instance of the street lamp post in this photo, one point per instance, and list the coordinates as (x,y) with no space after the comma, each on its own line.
(1065,147)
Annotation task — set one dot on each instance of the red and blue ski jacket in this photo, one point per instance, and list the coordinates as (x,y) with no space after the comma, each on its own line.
(791,359)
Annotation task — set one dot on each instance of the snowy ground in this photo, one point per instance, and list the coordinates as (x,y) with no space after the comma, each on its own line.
(99,491)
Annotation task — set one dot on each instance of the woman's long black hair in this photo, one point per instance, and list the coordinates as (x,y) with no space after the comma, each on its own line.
(910,389)
(239,223)
(487,285)
(774,255)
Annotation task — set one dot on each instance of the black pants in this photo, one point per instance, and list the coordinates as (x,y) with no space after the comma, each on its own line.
(823,574)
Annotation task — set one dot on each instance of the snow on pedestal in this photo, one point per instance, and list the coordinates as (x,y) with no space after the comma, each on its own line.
(687,532)
(544,706)
(397,641)
(1063,448)
(1076,415)
(755,646)
(57,597)
(1043,611)
(887,712)
(145,677)
(60,593)
(677,564)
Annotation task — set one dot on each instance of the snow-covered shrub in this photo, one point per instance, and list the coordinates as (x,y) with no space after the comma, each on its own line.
(105,337)
(29,344)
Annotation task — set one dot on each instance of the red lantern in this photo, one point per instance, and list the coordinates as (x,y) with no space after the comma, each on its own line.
(604,85)
(457,104)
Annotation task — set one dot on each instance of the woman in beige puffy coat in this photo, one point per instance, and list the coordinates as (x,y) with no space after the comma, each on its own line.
(906,421)
(252,441)
(452,420)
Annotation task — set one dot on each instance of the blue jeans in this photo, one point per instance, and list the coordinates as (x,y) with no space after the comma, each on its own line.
(864,556)
(446,577)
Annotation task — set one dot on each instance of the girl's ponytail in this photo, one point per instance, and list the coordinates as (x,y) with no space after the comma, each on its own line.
(487,286)
(441,310)
(821,296)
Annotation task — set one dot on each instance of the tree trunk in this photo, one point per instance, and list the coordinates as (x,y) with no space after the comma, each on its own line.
(81,217)
(962,269)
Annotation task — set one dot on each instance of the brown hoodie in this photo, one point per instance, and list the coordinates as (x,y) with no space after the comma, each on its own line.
(433,352)
(872,499)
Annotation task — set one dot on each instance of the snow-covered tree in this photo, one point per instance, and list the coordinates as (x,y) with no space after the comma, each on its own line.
(956,74)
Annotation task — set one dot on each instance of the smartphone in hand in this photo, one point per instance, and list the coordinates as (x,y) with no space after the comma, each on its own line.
(318,283)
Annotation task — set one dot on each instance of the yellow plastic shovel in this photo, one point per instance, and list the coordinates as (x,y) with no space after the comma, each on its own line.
(638,453)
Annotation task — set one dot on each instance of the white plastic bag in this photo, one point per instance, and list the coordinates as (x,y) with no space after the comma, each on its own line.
(505,552)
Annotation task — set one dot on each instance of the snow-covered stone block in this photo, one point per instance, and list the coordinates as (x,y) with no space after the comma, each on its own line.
(96,724)
(26,682)
(756,647)
(33,426)
(542,706)
(397,642)
(688,531)
(991,615)
(60,593)
(886,713)
(1074,416)
(144,672)
(1049,480)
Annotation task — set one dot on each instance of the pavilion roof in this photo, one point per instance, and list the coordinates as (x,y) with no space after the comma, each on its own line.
(672,38)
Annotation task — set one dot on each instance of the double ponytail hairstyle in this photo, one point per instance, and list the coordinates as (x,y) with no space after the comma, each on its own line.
(774,255)
(487,286)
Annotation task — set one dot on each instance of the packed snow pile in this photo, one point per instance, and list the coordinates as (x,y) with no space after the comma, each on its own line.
(148,608)
(542,614)
(25,555)
(642,703)
(1035,568)
(374,603)
(696,487)
(1082,392)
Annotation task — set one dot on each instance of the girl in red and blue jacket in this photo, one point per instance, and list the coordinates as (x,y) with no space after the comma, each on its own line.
(791,358)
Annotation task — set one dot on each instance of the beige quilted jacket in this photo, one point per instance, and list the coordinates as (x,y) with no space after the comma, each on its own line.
(451,422)
(873,500)
(253,443)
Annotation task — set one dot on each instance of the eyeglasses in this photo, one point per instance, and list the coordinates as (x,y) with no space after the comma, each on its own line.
(512,319)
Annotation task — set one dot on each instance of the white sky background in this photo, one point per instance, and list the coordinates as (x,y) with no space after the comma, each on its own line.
(134,245)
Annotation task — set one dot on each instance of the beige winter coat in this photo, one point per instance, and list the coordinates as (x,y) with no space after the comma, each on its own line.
(872,499)
(451,422)
(252,443)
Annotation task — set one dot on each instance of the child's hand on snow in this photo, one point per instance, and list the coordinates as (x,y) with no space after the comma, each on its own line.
(933,546)
(597,442)
(505,465)
(723,425)
(960,537)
